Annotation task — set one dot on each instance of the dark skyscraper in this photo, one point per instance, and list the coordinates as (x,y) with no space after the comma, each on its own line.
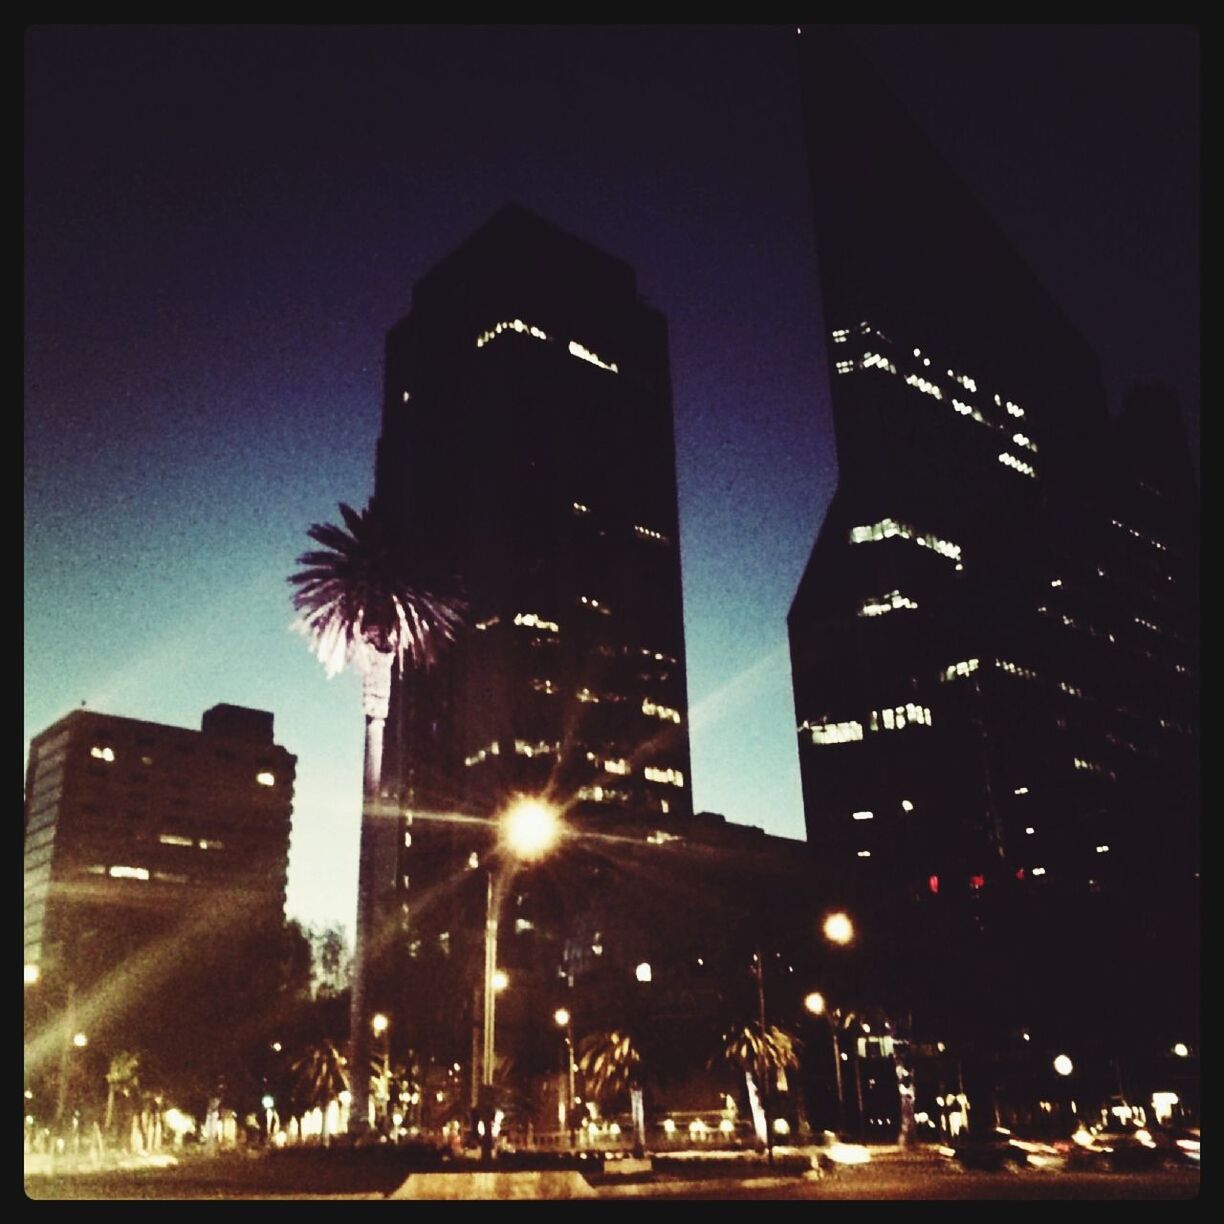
(527,450)
(994,644)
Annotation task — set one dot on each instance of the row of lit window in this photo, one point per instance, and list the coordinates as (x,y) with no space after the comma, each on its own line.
(673,777)
(612,765)
(107,754)
(515,325)
(886,528)
(841,335)
(204,843)
(525,329)
(893,601)
(540,748)
(924,385)
(136,873)
(899,717)
(1024,440)
(1009,460)
(970,411)
(533,620)
(878,359)
(1139,535)
(480,754)
(648,534)
(602,794)
(964,668)
(1094,767)
(655,710)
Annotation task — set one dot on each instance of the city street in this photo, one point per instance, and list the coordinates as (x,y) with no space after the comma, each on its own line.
(241,1177)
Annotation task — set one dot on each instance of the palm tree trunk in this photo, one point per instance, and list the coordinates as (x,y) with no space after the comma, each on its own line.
(376,695)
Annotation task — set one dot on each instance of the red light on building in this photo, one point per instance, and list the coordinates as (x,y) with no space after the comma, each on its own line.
(976,881)
(933,883)
(1020,873)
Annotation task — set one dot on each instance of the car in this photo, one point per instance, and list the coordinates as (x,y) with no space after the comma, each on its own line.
(1003,1150)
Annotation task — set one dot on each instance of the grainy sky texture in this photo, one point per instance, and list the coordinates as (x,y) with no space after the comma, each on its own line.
(222,222)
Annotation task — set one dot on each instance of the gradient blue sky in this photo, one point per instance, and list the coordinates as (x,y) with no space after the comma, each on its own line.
(222,222)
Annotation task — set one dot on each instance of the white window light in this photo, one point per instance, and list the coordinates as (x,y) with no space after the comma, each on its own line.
(906,805)
(102,754)
(1029,830)
(534,621)
(173,839)
(1038,871)
(864,815)
(864,854)
(1021,790)
(264,778)
(129,873)
(579,350)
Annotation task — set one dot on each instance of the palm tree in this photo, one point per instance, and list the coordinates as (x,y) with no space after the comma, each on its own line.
(122,1080)
(611,1065)
(761,1055)
(322,1075)
(360,600)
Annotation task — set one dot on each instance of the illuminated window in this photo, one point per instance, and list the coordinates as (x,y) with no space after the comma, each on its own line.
(129,873)
(585,695)
(660,711)
(840,335)
(833,733)
(661,838)
(864,816)
(1013,409)
(1029,830)
(964,668)
(102,754)
(1038,871)
(906,805)
(1020,790)
(528,749)
(671,776)
(516,325)
(579,508)
(864,854)
(595,605)
(173,839)
(647,534)
(886,603)
(211,844)
(264,778)
(915,380)
(887,528)
(613,765)
(171,877)
(488,624)
(540,685)
(969,410)
(1023,440)
(578,350)
(878,361)
(407,397)
(900,717)
(1102,849)
(481,753)
(533,621)
(1017,465)
(845,367)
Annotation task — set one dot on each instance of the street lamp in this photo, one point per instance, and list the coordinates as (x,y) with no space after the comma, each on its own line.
(838,928)
(564,1020)
(815,1004)
(528,829)
(380,1024)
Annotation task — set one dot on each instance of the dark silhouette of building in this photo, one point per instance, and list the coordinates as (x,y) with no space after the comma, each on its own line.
(151,853)
(527,452)
(994,644)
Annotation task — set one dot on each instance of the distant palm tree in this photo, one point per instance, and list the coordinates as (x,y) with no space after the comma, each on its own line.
(611,1065)
(760,1055)
(322,1075)
(122,1080)
(361,600)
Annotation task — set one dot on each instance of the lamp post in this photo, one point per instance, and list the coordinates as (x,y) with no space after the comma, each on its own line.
(380,1024)
(528,830)
(564,1020)
(815,1003)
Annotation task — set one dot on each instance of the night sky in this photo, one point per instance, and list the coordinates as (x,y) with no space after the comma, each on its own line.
(222,222)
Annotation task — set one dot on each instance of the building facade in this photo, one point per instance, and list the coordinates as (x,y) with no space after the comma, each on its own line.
(527,455)
(994,644)
(148,848)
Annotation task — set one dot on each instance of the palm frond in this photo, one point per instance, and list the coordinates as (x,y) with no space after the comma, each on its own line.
(363,594)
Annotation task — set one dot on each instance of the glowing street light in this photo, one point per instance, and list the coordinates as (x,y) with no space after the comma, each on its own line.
(379,1024)
(80,1040)
(838,928)
(1063,1065)
(815,1003)
(1182,1050)
(528,830)
(564,1020)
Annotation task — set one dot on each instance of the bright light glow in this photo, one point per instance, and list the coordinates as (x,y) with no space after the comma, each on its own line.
(265,778)
(914,380)
(643,972)
(781,1126)
(864,815)
(211,844)
(848,1153)
(517,325)
(726,1126)
(102,754)
(1020,790)
(669,1126)
(815,1003)
(964,668)
(266,1101)
(276,1047)
(530,828)
(501,979)
(1038,871)
(1182,1051)
(129,873)
(1063,1065)
(891,602)
(906,805)
(1010,460)
(864,854)
(561,1016)
(1102,849)
(173,839)
(1029,829)
(379,1023)
(838,928)
(80,1040)
(32,974)
(533,621)
(660,711)
(887,528)
(648,534)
